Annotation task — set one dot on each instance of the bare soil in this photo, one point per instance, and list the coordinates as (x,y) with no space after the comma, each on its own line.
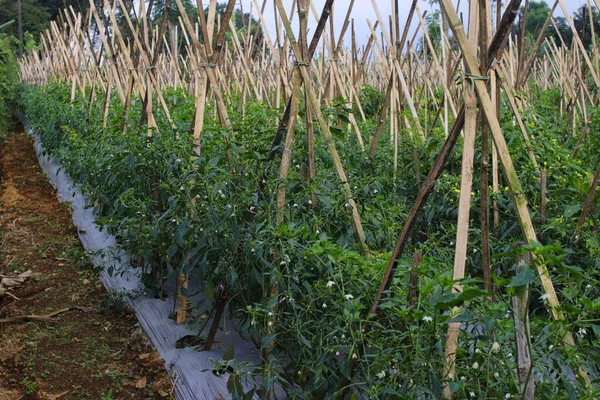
(97,353)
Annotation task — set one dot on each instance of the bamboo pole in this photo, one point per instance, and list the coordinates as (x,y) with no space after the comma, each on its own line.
(464,201)
(325,131)
(514,184)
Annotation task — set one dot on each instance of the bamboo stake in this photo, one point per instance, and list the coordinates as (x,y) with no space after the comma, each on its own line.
(496,48)
(518,196)
(464,201)
(325,130)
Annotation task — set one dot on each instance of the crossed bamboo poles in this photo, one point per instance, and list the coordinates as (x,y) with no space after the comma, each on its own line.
(210,71)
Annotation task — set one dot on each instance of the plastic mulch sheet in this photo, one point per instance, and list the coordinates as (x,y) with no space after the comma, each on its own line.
(191,370)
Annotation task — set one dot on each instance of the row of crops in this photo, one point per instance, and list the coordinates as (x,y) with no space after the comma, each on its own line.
(200,225)
(287,215)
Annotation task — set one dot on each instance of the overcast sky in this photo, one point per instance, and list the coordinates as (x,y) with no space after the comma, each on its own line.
(364,10)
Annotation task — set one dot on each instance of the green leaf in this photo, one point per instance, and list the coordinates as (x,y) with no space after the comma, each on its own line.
(337,132)
(466,317)
(572,209)
(489,323)
(228,354)
(267,340)
(524,276)
(344,118)
(326,201)
(471,293)
(209,291)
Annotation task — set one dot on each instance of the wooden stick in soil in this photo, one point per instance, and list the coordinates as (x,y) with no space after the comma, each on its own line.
(413,289)
(528,65)
(220,307)
(485,36)
(514,184)
(589,201)
(283,123)
(212,78)
(521,44)
(386,102)
(325,131)
(513,104)
(464,201)
(182,284)
(496,48)
(523,337)
(44,318)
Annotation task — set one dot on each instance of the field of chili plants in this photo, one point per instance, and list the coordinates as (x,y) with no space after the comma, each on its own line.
(179,209)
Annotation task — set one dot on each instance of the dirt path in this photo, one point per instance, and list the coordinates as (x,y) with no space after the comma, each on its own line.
(94,352)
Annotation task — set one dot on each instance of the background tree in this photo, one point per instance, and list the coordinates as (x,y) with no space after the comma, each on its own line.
(537,14)
(240,20)
(159,6)
(36,14)
(35,17)
(8,75)
(581,19)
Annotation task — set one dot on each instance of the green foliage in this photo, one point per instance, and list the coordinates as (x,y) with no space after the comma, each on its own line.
(35,16)
(179,213)
(8,78)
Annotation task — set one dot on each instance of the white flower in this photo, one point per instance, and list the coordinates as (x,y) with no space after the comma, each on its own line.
(348,296)
(381,375)
(354,356)
(295,205)
(545,296)
(496,375)
(252,250)
(270,323)
(427,318)
(317,231)
(496,347)
(181,188)
(270,314)
(588,286)
(551,347)
(282,263)
(477,351)
(309,202)
(324,305)
(173,220)
(475,365)
(375,191)
(507,396)
(463,378)
(337,353)
(252,322)
(472,394)
(582,332)
(330,284)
